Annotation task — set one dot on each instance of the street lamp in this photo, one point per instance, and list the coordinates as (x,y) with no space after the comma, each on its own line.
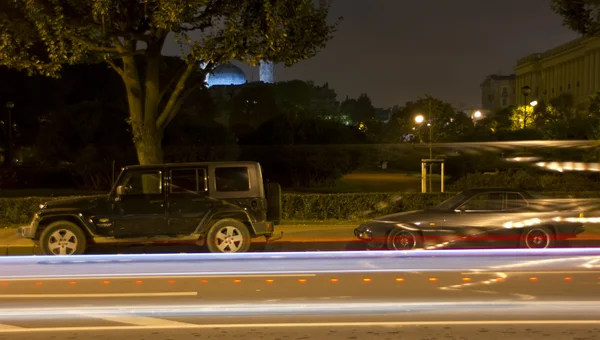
(526,91)
(477,114)
(419,119)
(533,103)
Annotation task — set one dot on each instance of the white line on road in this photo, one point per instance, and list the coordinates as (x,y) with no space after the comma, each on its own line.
(4,327)
(175,276)
(495,272)
(104,295)
(137,320)
(304,324)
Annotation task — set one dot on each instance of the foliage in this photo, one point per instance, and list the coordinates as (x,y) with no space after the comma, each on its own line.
(41,36)
(300,206)
(304,153)
(527,180)
(354,206)
(359,110)
(88,130)
(580,16)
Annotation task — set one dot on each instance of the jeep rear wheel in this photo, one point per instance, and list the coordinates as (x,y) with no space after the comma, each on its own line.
(63,238)
(228,236)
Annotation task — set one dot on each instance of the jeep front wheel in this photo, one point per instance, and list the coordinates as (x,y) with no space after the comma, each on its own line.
(228,236)
(62,238)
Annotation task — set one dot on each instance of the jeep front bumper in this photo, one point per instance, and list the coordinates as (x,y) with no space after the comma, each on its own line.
(25,231)
(28,231)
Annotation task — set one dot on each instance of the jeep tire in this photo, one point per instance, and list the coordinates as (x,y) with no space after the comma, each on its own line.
(228,236)
(63,238)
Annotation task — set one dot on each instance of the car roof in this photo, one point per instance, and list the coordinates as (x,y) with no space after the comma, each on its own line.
(480,190)
(190,164)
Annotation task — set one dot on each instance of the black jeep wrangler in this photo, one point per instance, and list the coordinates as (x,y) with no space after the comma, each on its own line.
(219,206)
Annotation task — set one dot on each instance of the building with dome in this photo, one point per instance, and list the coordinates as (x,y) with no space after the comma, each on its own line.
(232,75)
(227,79)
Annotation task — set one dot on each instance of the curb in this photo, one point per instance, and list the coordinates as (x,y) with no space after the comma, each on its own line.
(19,250)
(282,246)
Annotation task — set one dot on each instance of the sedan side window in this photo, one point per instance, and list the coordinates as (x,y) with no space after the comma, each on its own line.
(515,201)
(484,202)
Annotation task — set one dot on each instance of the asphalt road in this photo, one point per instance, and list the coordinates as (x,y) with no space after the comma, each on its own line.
(555,320)
(353,295)
(344,332)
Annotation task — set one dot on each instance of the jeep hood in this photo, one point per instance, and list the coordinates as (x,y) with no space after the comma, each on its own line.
(75,203)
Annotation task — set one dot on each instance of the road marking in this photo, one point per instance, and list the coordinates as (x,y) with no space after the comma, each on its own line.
(137,320)
(177,276)
(105,295)
(304,324)
(531,272)
(4,327)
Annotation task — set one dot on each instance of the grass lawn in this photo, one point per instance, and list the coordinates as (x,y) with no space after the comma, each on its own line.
(374,181)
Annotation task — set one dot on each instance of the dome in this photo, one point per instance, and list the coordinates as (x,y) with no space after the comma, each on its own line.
(226,74)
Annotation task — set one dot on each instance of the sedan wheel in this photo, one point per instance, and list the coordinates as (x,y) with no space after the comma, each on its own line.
(537,238)
(400,239)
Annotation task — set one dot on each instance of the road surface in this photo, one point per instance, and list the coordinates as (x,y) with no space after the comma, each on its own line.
(555,320)
(327,295)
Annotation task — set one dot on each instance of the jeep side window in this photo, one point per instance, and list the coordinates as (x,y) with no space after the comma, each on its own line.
(188,181)
(143,182)
(232,179)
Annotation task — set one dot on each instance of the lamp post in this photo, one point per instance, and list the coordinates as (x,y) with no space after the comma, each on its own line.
(419,120)
(526,91)
(9,154)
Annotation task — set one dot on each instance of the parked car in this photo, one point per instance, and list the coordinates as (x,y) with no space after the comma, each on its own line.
(489,216)
(220,206)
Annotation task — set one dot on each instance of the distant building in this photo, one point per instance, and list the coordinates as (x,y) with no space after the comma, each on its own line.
(231,75)
(498,92)
(573,68)
(226,74)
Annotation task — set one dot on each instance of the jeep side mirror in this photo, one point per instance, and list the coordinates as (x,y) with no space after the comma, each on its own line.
(121,190)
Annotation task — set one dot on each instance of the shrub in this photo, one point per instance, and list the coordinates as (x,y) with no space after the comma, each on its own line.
(19,210)
(300,206)
(527,180)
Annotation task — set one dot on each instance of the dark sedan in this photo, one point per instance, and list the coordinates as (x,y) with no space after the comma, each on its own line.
(489,217)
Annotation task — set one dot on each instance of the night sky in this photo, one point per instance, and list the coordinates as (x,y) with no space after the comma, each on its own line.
(398,50)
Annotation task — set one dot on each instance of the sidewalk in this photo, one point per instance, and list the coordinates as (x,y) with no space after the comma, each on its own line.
(298,235)
(305,237)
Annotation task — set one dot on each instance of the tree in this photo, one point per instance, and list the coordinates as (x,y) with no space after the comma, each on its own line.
(360,110)
(580,15)
(40,36)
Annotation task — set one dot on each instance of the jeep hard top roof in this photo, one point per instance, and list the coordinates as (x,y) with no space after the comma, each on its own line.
(191,164)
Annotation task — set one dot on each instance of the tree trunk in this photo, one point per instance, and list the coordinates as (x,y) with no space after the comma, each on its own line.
(143,107)
(149,147)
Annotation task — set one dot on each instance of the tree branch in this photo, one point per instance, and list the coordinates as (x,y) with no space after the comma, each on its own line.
(181,100)
(115,67)
(168,111)
(92,46)
(178,74)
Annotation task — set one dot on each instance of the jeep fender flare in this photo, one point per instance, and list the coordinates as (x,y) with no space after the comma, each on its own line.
(212,218)
(46,220)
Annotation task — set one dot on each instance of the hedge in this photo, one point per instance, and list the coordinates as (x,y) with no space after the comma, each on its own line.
(298,206)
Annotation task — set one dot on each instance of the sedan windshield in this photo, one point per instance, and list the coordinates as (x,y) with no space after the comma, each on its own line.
(451,202)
